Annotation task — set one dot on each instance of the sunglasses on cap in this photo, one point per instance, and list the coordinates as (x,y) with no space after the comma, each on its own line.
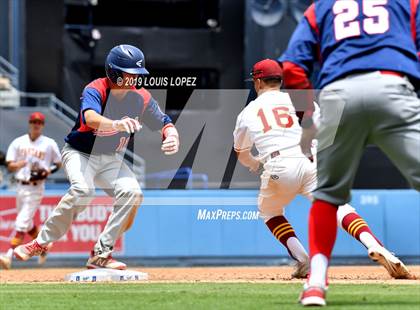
(253,75)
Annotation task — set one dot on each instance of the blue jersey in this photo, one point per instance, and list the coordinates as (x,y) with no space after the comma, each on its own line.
(349,36)
(97,96)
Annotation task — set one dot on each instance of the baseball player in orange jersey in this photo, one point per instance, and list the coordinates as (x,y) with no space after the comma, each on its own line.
(32,157)
(270,123)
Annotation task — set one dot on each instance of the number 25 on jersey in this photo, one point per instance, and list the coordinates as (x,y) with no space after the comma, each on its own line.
(278,116)
(347,24)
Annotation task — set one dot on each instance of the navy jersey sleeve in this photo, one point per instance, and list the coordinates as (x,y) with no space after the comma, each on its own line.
(302,48)
(153,116)
(91,100)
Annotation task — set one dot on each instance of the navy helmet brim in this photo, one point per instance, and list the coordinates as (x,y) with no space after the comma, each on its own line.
(138,70)
(141,71)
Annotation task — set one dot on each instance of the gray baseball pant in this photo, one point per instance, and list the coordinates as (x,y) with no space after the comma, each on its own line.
(83,171)
(362,109)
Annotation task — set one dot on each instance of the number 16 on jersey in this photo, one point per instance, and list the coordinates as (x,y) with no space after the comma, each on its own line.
(278,116)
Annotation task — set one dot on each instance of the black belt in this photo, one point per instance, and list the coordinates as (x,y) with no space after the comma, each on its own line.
(27,182)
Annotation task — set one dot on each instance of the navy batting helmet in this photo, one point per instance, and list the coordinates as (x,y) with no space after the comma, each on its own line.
(124,58)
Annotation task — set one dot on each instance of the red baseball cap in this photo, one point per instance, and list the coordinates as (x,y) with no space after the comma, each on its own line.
(37,116)
(267,68)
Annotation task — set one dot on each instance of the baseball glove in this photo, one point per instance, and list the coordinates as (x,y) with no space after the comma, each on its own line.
(38,174)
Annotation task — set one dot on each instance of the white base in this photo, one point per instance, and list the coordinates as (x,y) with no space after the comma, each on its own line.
(104,274)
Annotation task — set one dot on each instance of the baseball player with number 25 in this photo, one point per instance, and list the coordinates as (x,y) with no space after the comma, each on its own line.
(271,124)
(32,157)
(110,113)
(369,56)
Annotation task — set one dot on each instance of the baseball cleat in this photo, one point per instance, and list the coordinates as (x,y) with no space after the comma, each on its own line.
(392,264)
(301,270)
(26,251)
(96,261)
(43,256)
(5,262)
(313,296)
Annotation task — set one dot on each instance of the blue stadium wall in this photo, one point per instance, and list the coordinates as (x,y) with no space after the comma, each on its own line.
(169,224)
(224,224)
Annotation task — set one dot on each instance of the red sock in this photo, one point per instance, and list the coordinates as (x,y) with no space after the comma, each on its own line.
(34,232)
(322,228)
(354,224)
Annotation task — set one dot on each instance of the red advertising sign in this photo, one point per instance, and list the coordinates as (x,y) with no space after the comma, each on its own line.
(82,234)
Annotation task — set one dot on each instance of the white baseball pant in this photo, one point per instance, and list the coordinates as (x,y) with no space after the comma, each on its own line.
(284,177)
(28,200)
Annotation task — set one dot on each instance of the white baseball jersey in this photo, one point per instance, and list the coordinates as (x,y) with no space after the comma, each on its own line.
(269,122)
(42,153)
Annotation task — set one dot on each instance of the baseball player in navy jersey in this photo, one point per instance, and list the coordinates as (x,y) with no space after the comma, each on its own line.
(32,158)
(112,110)
(270,122)
(368,53)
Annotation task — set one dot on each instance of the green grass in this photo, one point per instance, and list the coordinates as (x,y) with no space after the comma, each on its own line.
(201,296)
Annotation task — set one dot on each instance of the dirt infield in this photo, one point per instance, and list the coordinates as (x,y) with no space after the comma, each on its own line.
(346,274)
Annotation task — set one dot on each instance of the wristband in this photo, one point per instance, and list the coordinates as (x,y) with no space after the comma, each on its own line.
(53,168)
(169,130)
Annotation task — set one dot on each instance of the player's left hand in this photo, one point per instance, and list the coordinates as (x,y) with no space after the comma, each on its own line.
(308,135)
(170,145)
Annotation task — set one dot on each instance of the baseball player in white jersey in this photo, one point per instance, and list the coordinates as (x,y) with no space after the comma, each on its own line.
(271,125)
(32,157)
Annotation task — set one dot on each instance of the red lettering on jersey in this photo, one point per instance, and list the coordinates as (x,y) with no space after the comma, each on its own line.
(266,126)
(281,115)
(31,152)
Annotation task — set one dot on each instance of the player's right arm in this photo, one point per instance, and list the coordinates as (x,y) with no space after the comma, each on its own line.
(12,163)
(248,160)
(91,115)
(298,60)
(14,166)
